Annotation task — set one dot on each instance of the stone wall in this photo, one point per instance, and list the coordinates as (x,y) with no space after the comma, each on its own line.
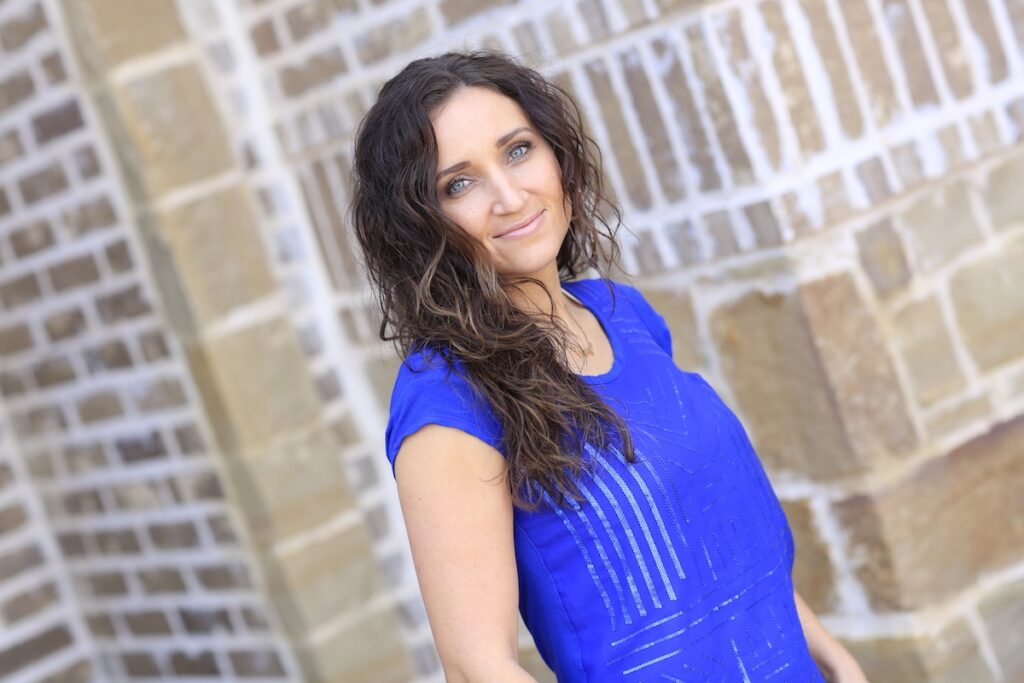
(822,197)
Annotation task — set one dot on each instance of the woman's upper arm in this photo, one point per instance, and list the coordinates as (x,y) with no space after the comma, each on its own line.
(458,513)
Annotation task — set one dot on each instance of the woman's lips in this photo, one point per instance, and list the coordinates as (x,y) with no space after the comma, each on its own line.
(525,230)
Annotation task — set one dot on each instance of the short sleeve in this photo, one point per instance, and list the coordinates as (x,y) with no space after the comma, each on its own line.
(652,319)
(425,392)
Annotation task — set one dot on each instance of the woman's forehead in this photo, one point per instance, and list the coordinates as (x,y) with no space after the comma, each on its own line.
(475,113)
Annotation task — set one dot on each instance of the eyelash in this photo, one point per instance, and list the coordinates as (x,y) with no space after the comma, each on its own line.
(524,144)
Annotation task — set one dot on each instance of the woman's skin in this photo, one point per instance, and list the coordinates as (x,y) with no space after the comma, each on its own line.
(495,172)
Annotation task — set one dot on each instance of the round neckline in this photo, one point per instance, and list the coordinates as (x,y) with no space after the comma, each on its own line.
(610,332)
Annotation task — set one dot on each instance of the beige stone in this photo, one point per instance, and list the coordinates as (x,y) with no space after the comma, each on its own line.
(951,50)
(174,134)
(903,30)
(1003,193)
(973,409)
(402,33)
(813,573)
(217,251)
(256,400)
(456,11)
(843,93)
(1003,613)
(677,309)
(983,24)
(927,351)
(368,651)
(989,307)
(294,485)
(927,538)
(951,656)
(327,577)
(941,225)
(114,32)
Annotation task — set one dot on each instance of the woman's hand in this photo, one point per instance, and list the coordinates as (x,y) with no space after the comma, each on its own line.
(836,662)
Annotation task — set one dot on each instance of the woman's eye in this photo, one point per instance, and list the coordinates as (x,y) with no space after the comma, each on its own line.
(523,146)
(454,187)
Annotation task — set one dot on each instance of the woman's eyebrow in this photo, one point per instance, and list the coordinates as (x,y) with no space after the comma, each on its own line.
(501,141)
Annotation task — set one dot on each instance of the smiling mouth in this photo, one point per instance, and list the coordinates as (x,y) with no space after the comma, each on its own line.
(525,228)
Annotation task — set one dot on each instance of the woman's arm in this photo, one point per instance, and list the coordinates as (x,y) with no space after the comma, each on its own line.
(459,520)
(837,663)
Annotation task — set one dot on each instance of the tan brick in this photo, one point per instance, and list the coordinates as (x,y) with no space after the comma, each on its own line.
(881,254)
(941,225)
(20,28)
(74,272)
(874,179)
(15,89)
(29,602)
(102,405)
(395,35)
(111,355)
(332,228)
(985,132)
(51,371)
(161,580)
(53,68)
(126,303)
(313,72)
(10,146)
(174,535)
(14,340)
(112,33)
(158,395)
(834,200)
(57,121)
(457,11)
(194,664)
(950,656)
(622,145)
(900,24)
(119,257)
(43,183)
(802,113)
(174,134)
(368,650)
(717,105)
(989,308)
(34,649)
(720,232)
(928,538)
(65,324)
(927,351)
(952,146)
(20,290)
(843,93)
(1002,193)
(596,20)
(761,218)
(264,38)
(1003,612)
(983,25)
(687,117)
(206,620)
(908,165)
(89,216)
(221,274)
(117,542)
(813,573)
(647,254)
(952,53)
(31,238)
(259,400)
(659,147)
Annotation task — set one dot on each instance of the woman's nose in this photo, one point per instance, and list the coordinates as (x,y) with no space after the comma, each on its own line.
(508,196)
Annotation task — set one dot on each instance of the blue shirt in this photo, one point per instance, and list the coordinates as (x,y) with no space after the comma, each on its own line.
(678,566)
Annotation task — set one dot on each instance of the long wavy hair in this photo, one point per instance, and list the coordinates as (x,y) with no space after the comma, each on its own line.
(438,290)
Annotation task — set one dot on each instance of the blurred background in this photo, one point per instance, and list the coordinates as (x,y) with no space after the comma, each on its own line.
(825,198)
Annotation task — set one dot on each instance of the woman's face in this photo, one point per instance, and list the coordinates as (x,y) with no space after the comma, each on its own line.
(496,172)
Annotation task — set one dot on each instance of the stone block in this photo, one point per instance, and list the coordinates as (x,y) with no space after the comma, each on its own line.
(973,409)
(369,650)
(296,484)
(1002,611)
(883,258)
(1003,193)
(927,351)
(35,649)
(172,129)
(111,32)
(941,225)
(926,539)
(313,72)
(989,307)
(813,573)
(813,379)
(457,11)
(33,237)
(677,309)
(950,656)
(22,26)
(398,34)
(255,400)
(331,575)
(215,247)
(902,28)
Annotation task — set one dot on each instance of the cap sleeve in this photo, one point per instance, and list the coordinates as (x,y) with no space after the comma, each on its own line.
(425,392)
(654,321)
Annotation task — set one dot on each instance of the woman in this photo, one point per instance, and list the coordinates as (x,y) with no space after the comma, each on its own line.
(549,456)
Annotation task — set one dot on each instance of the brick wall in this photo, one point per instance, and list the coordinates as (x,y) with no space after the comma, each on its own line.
(820,195)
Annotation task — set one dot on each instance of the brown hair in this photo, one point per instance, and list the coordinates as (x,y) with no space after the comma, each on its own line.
(438,290)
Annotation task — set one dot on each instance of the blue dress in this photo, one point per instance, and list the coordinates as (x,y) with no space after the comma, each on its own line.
(678,566)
